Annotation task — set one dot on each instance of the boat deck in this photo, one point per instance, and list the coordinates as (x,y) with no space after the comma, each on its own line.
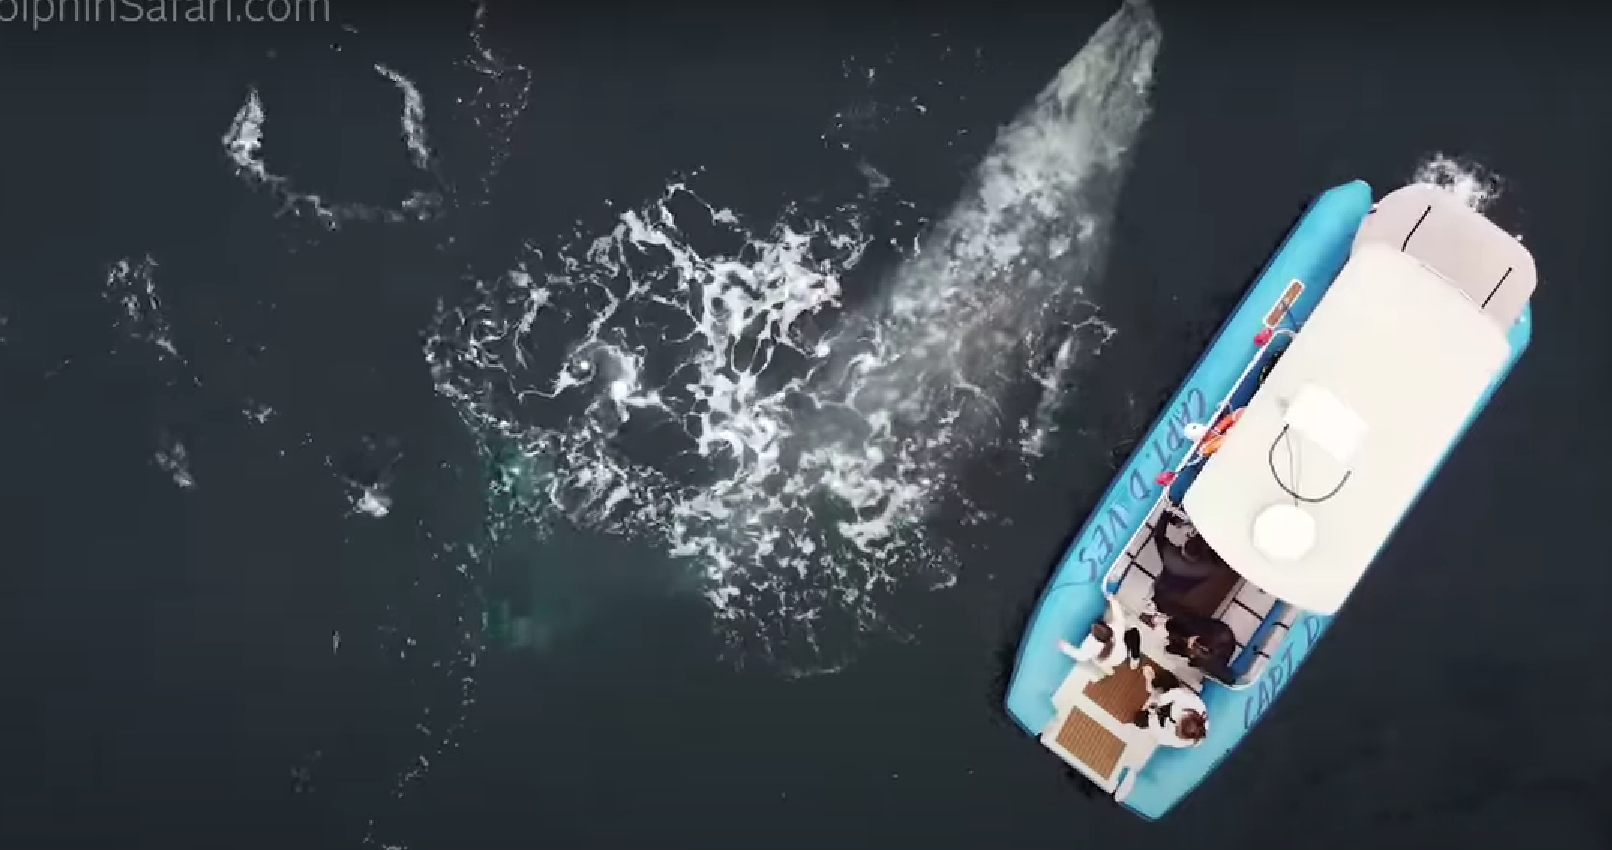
(1342,236)
(1092,729)
(1226,597)
(1087,740)
(1123,692)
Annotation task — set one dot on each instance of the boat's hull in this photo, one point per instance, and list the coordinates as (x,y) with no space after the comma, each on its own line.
(1314,252)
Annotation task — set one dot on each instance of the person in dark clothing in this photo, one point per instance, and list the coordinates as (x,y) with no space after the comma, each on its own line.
(1205,642)
(1183,567)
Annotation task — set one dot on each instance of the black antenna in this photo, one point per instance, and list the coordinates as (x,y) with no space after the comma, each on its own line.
(1413,229)
(1497,286)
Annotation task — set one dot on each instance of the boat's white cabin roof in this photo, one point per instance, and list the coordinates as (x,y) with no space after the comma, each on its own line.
(1376,386)
(1431,224)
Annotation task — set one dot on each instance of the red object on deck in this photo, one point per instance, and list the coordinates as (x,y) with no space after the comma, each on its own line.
(1263,337)
(1165,478)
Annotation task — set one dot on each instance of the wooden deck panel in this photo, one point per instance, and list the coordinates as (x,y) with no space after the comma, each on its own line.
(1084,738)
(1123,692)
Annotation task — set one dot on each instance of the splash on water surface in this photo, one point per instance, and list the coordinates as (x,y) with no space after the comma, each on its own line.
(131,285)
(413,117)
(142,322)
(1474,183)
(174,459)
(430,634)
(243,145)
(701,381)
(747,396)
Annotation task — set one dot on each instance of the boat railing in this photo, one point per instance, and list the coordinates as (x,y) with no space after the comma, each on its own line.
(1264,340)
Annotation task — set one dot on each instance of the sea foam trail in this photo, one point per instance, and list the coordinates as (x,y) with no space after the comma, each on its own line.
(798,447)
(243,145)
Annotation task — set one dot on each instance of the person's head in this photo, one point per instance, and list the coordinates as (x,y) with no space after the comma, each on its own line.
(1197,549)
(1103,632)
(1192,726)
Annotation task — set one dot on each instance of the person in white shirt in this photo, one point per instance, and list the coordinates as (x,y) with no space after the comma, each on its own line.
(1174,714)
(1110,641)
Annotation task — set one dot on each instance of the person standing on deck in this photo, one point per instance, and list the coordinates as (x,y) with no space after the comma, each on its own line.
(1207,643)
(1174,714)
(1103,645)
(1182,567)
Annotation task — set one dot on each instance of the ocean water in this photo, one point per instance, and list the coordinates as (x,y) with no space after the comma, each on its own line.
(480,425)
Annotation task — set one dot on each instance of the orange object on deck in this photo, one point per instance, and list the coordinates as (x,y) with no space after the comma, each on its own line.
(1217,434)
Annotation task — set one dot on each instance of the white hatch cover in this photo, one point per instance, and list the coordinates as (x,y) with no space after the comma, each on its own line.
(1351,422)
(1431,224)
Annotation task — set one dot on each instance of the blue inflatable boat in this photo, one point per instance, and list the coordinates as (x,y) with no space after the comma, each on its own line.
(1322,408)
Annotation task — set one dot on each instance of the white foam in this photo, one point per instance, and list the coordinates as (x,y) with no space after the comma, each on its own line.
(368,472)
(1467,179)
(173,459)
(373,500)
(131,285)
(499,100)
(811,442)
(448,593)
(244,141)
(413,117)
(243,145)
(257,412)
